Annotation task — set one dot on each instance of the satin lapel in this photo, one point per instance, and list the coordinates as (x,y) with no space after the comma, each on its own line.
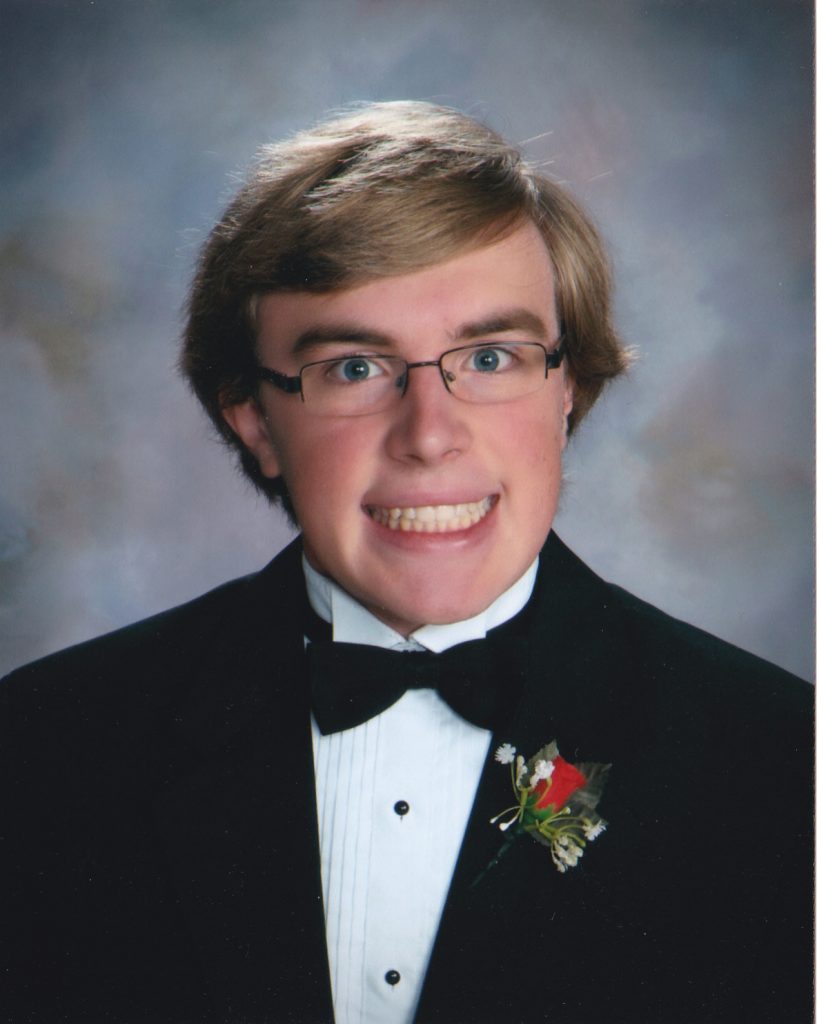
(239,819)
(490,931)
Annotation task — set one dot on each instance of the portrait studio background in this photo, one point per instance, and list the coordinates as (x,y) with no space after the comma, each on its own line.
(684,127)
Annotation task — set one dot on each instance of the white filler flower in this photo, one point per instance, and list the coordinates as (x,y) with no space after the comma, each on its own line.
(542,770)
(505,753)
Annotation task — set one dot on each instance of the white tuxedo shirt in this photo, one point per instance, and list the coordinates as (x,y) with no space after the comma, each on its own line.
(393,796)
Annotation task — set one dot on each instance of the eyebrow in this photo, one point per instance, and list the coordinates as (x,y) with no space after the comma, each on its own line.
(338,334)
(518,319)
(503,321)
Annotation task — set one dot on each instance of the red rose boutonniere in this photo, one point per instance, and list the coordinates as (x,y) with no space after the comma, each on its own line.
(555,802)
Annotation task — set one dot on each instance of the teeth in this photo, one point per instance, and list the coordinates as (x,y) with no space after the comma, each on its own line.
(432,518)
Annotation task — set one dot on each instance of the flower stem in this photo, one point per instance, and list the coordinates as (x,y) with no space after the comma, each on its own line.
(499,855)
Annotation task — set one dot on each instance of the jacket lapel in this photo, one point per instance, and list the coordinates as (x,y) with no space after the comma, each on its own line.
(239,819)
(523,910)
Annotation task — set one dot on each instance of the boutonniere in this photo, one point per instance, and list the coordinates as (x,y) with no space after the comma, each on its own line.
(555,802)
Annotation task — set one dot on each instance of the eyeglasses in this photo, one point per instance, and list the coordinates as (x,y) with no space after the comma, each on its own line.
(364,383)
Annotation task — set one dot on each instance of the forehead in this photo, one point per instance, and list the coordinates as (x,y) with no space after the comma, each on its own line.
(428,306)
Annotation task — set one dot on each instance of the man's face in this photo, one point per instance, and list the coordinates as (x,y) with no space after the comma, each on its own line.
(344,474)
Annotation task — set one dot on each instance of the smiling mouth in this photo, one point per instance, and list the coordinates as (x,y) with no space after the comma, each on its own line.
(432,518)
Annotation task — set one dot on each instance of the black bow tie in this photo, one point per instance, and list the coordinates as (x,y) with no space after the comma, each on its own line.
(352,683)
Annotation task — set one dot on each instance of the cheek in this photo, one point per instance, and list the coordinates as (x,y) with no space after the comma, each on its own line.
(321,466)
(535,455)
(536,439)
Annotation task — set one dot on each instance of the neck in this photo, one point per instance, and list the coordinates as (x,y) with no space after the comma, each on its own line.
(352,622)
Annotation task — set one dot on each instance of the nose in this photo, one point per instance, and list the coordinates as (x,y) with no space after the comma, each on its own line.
(429,425)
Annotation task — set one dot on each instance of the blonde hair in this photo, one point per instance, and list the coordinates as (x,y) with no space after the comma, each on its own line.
(383,190)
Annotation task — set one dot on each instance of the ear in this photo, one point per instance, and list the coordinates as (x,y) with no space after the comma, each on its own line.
(247,420)
(567,405)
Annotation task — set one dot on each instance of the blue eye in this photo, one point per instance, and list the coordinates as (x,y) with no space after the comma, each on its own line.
(353,370)
(489,360)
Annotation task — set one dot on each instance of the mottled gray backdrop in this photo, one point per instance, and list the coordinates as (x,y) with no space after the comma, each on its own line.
(685,126)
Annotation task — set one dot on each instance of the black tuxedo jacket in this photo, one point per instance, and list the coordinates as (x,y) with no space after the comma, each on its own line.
(160,845)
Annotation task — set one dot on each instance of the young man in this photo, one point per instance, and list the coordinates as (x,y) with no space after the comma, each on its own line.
(275,803)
